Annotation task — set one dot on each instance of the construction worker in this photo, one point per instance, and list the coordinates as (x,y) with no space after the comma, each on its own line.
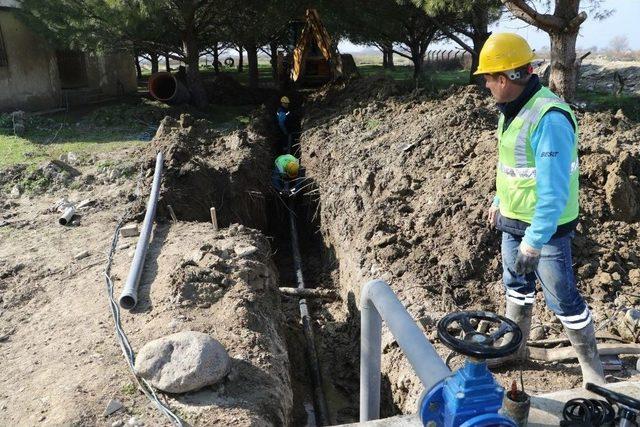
(536,202)
(285,173)
(283,115)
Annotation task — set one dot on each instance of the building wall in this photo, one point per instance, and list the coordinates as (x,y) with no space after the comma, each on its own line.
(113,73)
(30,81)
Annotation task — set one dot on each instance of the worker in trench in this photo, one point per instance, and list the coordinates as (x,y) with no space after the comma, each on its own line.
(287,177)
(536,201)
(285,121)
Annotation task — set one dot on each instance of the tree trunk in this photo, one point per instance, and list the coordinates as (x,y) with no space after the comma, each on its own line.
(138,69)
(216,61)
(240,59)
(481,33)
(252,59)
(418,61)
(273,47)
(562,78)
(167,65)
(479,38)
(154,62)
(194,80)
(384,58)
(390,63)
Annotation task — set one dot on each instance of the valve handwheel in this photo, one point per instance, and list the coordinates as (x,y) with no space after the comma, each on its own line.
(489,345)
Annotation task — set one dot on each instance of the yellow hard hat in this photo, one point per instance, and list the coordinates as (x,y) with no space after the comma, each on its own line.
(291,168)
(284,100)
(504,52)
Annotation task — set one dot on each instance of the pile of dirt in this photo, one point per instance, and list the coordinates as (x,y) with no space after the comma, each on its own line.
(404,186)
(206,168)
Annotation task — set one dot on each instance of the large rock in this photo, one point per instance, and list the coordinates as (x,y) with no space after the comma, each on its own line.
(622,189)
(183,362)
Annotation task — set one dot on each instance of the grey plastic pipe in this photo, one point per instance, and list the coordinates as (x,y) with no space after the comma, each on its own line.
(378,302)
(129,295)
(67,215)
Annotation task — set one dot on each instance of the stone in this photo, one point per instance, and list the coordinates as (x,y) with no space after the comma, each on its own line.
(129,230)
(245,251)
(118,423)
(183,362)
(81,255)
(84,203)
(113,406)
(604,278)
(634,276)
(16,191)
(632,317)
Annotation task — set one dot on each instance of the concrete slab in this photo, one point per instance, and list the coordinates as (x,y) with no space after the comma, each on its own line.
(546,409)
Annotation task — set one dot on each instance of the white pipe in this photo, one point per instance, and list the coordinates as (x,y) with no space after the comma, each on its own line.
(67,215)
(129,295)
(378,302)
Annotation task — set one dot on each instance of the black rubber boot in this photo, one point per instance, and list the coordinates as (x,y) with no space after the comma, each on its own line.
(584,343)
(521,315)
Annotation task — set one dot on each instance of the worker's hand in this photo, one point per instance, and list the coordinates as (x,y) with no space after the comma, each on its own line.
(527,259)
(492,216)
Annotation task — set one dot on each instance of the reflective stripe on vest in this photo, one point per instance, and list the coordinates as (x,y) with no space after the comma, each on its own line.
(528,172)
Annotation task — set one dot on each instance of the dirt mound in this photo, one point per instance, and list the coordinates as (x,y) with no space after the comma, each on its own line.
(205,168)
(404,186)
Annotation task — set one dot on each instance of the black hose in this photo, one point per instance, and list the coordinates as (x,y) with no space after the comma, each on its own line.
(312,355)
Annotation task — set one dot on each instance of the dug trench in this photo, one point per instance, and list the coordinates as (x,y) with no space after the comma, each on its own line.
(232,173)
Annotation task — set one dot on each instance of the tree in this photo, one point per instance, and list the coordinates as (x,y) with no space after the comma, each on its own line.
(562,26)
(619,44)
(393,26)
(469,18)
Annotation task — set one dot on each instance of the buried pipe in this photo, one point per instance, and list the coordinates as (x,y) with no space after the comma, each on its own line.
(167,88)
(378,302)
(314,364)
(129,295)
(67,215)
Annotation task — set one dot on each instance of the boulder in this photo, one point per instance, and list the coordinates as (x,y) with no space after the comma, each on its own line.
(183,362)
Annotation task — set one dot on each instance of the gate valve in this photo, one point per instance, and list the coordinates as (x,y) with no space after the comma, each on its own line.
(471,397)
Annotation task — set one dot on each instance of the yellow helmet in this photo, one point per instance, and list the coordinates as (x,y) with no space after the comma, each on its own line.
(504,52)
(291,168)
(284,100)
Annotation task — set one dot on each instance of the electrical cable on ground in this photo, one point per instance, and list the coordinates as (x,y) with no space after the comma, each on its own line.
(127,351)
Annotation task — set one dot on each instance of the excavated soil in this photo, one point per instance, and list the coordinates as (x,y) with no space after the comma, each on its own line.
(404,182)
(63,364)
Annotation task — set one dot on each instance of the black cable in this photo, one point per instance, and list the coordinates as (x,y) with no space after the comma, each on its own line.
(587,413)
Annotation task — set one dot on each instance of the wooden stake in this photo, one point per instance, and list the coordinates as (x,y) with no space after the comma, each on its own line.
(172,213)
(214,219)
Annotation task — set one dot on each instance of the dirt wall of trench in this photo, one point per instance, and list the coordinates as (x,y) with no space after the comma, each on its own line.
(404,183)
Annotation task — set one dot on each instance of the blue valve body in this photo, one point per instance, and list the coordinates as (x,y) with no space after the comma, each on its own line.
(469,398)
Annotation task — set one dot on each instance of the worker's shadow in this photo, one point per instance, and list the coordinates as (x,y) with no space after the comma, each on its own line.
(150,270)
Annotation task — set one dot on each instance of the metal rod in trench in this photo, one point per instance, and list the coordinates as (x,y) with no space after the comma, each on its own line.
(314,364)
(129,295)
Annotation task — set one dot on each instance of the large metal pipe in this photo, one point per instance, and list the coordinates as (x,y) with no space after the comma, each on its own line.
(167,88)
(314,364)
(129,295)
(378,302)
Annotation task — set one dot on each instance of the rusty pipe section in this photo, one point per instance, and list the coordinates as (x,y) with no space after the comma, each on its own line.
(129,295)
(167,88)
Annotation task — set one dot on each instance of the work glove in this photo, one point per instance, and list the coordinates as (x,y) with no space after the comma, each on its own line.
(492,216)
(527,259)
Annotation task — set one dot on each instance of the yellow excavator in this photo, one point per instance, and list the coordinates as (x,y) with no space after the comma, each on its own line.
(314,59)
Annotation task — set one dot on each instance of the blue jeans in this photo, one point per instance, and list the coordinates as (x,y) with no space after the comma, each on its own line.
(555,274)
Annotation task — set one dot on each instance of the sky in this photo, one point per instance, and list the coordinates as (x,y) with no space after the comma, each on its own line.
(623,22)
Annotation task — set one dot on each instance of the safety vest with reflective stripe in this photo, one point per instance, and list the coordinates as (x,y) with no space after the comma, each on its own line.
(516,174)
